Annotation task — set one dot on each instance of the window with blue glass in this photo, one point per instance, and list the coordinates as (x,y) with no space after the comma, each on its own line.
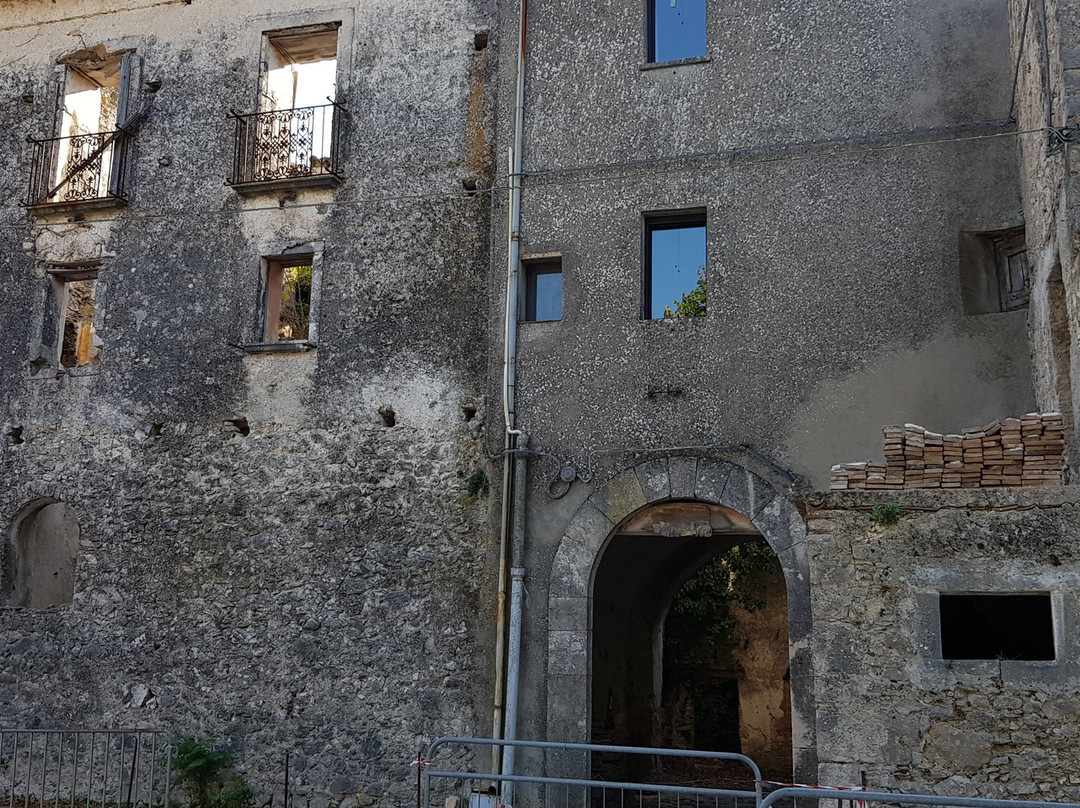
(674,282)
(676,29)
(543,289)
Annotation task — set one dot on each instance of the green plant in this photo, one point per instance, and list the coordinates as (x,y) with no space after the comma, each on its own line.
(692,303)
(477,484)
(206,774)
(888,513)
(700,618)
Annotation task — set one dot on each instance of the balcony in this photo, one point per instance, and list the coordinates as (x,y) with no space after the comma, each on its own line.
(287,149)
(83,171)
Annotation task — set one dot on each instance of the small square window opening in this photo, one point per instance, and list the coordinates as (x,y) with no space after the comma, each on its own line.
(543,289)
(288,300)
(993,626)
(675,257)
(676,29)
(994,271)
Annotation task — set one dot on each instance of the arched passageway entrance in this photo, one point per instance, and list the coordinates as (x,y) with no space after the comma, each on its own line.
(690,643)
(754,505)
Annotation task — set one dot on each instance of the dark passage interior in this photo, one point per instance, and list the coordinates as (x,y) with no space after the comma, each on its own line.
(690,646)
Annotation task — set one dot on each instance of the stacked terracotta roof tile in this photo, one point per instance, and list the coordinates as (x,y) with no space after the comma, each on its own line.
(1025,451)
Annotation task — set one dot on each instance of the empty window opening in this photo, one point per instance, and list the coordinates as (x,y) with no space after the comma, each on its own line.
(994,271)
(299,88)
(676,29)
(469,413)
(675,258)
(70,335)
(80,346)
(39,562)
(288,299)
(15,433)
(86,158)
(543,289)
(301,68)
(997,626)
(480,40)
(388,417)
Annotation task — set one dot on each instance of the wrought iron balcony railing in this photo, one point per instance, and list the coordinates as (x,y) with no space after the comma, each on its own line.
(301,145)
(78,169)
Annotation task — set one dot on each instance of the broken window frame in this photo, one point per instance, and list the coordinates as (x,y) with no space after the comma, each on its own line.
(271,287)
(50,353)
(291,147)
(86,166)
(534,266)
(995,275)
(1013,270)
(656,221)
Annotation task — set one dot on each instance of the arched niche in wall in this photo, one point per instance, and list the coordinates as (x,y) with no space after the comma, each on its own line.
(39,555)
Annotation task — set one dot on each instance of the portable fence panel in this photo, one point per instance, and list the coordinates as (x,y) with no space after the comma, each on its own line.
(84,769)
(446,782)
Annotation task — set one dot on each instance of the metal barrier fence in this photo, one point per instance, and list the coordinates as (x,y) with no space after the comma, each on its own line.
(473,789)
(121,768)
(803,796)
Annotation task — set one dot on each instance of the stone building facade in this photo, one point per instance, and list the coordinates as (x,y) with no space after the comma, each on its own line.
(276,540)
(262,474)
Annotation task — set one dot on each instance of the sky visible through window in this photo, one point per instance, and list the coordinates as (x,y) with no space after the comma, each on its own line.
(547,295)
(678,29)
(676,256)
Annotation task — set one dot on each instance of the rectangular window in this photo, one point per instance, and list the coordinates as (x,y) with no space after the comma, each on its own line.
(70,338)
(293,140)
(994,271)
(288,299)
(997,626)
(674,265)
(300,68)
(543,288)
(676,29)
(85,161)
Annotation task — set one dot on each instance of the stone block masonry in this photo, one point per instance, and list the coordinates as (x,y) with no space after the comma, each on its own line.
(1026,451)
(892,710)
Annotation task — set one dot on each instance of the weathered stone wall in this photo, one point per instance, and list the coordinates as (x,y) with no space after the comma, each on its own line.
(1044,51)
(317,585)
(890,708)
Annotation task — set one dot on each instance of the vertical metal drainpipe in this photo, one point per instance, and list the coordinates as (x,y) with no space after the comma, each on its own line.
(517,590)
(507,659)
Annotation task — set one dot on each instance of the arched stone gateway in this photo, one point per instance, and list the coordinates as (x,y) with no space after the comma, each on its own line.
(592,527)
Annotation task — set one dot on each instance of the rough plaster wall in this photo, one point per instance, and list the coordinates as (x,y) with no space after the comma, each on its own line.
(832,268)
(888,705)
(315,586)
